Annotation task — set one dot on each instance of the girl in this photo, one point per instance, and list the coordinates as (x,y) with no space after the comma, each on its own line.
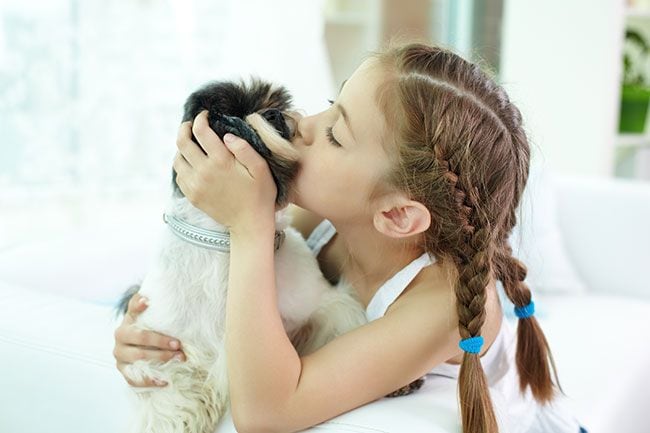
(407,191)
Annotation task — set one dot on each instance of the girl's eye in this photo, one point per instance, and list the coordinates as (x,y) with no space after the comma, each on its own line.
(328,131)
(330,137)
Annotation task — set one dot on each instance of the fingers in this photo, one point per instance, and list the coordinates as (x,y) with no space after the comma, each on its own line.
(126,354)
(182,167)
(209,139)
(246,155)
(133,344)
(184,172)
(132,335)
(187,147)
(145,382)
(137,304)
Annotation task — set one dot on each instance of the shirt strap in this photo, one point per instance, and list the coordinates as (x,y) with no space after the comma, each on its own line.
(320,236)
(391,289)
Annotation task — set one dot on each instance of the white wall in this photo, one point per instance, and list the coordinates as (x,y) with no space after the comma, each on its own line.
(561,64)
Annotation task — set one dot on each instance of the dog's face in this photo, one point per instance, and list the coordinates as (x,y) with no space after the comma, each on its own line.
(261,114)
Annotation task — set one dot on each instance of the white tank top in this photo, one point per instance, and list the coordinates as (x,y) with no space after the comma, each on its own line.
(516,412)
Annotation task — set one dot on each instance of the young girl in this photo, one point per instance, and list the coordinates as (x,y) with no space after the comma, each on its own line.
(407,191)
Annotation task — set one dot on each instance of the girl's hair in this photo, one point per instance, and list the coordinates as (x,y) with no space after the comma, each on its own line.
(459,148)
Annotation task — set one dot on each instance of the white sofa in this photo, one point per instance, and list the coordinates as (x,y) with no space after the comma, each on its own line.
(57,372)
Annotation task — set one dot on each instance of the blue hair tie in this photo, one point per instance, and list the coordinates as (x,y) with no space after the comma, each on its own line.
(472,345)
(526,311)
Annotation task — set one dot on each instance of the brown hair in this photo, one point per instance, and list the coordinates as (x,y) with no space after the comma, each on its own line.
(459,148)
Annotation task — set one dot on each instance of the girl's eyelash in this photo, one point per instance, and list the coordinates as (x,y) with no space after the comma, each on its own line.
(328,131)
(330,137)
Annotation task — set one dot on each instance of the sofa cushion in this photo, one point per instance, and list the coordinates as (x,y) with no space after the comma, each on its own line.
(58,372)
(606,231)
(91,263)
(599,345)
(60,350)
(537,240)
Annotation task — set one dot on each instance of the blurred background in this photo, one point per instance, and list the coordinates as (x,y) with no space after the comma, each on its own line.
(91,91)
(91,97)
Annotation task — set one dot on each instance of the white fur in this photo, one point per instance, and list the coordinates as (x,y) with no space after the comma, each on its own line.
(187,287)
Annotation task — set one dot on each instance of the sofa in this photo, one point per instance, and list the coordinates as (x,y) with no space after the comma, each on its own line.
(586,241)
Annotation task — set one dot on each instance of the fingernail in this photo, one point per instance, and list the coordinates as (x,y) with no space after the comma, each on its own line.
(229,138)
(174,344)
(159,382)
(144,301)
(178,357)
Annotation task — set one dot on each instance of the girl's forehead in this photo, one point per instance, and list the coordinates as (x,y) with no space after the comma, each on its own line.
(368,70)
(359,100)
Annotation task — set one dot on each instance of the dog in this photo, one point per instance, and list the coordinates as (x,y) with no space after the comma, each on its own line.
(188,278)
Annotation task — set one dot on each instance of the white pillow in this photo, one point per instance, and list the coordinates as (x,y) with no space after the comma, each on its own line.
(536,239)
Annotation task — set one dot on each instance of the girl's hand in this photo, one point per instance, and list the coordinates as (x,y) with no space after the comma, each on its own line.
(133,343)
(232,183)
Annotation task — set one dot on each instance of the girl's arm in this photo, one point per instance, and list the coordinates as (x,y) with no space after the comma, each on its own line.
(304,221)
(273,389)
(362,365)
(263,366)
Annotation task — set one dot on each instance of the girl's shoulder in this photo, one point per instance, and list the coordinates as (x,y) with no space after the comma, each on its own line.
(430,287)
(367,363)
(432,293)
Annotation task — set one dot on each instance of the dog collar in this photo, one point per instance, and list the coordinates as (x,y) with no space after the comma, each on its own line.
(209,239)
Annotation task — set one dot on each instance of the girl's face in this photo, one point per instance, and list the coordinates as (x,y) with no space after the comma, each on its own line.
(340,150)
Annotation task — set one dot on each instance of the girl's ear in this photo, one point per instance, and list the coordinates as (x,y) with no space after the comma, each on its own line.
(401,218)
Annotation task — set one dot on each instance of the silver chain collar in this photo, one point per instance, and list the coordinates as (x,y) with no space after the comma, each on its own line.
(209,239)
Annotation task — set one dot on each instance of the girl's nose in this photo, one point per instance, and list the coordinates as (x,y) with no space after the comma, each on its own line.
(305,129)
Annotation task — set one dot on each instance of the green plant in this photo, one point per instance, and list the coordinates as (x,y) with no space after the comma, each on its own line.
(633,68)
(635,95)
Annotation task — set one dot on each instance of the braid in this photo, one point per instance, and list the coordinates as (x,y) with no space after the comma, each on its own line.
(473,259)
(459,148)
(534,358)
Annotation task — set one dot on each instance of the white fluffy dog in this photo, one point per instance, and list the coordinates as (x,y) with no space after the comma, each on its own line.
(187,282)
